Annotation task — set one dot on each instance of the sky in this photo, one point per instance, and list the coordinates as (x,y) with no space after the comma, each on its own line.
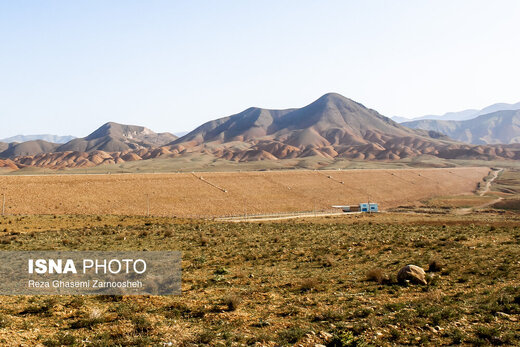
(67,67)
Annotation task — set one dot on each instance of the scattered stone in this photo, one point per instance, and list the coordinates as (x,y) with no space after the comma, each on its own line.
(504,315)
(432,329)
(412,273)
(325,335)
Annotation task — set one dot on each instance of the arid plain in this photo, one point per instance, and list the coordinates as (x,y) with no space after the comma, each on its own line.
(231,193)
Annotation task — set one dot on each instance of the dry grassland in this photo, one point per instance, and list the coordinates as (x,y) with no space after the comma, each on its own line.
(185,195)
(282,284)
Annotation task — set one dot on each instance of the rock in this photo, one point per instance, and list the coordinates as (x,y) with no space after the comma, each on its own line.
(325,335)
(319,345)
(412,273)
(432,329)
(504,315)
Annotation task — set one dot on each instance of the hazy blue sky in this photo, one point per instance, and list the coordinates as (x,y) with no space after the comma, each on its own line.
(66,67)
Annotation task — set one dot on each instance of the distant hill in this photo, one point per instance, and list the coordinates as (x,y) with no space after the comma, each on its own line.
(44,137)
(501,127)
(466,114)
(114,137)
(28,148)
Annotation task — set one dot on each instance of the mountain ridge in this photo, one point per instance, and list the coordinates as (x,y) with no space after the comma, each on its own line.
(45,137)
(500,127)
(464,114)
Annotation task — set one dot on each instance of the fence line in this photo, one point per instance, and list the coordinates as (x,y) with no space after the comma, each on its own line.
(208,182)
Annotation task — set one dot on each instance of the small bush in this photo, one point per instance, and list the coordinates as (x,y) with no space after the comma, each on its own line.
(60,340)
(457,336)
(4,321)
(43,308)
(221,271)
(291,335)
(309,284)
(346,339)
(94,318)
(327,261)
(394,334)
(142,324)
(378,275)
(490,334)
(435,266)
(232,302)
(205,337)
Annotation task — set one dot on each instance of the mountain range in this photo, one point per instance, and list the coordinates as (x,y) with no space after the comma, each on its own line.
(465,114)
(330,127)
(494,128)
(44,137)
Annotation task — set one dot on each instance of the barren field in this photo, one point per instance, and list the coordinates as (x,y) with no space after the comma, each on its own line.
(238,193)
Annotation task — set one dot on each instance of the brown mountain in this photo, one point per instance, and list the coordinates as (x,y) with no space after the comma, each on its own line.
(114,137)
(332,126)
(15,149)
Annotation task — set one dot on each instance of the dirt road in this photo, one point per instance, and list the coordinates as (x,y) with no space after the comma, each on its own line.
(487,188)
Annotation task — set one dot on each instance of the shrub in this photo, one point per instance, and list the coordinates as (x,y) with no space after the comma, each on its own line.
(309,284)
(435,266)
(205,337)
(43,308)
(457,336)
(232,302)
(142,324)
(60,340)
(94,318)
(291,335)
(346,339)
(394,334)
(378,275)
